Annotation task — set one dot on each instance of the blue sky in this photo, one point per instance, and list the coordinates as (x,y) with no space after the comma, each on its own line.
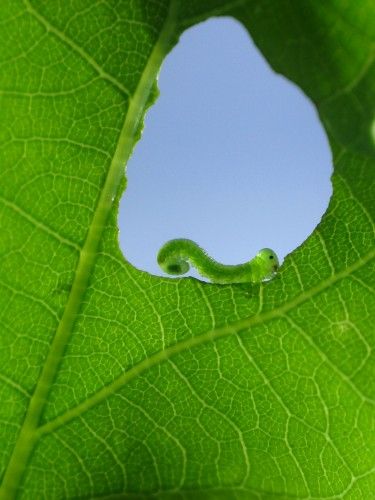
(232,156)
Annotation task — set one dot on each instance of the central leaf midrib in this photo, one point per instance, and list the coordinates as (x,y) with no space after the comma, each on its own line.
(28,436)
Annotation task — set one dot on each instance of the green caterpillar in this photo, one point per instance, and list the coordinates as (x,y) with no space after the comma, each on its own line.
(175,255)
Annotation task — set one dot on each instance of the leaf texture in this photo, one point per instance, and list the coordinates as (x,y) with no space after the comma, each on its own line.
(118,384)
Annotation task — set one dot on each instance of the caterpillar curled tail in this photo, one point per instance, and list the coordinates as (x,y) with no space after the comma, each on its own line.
(175,257)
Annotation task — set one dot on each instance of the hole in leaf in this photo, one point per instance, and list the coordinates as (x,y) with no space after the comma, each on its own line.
(232,156)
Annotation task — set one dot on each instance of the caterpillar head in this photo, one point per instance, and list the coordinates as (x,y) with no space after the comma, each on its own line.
(268,262)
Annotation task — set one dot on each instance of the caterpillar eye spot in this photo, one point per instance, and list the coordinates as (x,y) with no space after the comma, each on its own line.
(174,269)
(271,256)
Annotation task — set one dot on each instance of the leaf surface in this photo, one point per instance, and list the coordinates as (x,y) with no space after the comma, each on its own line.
(115,383)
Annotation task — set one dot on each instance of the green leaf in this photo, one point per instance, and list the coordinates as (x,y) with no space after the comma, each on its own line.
(115,383)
